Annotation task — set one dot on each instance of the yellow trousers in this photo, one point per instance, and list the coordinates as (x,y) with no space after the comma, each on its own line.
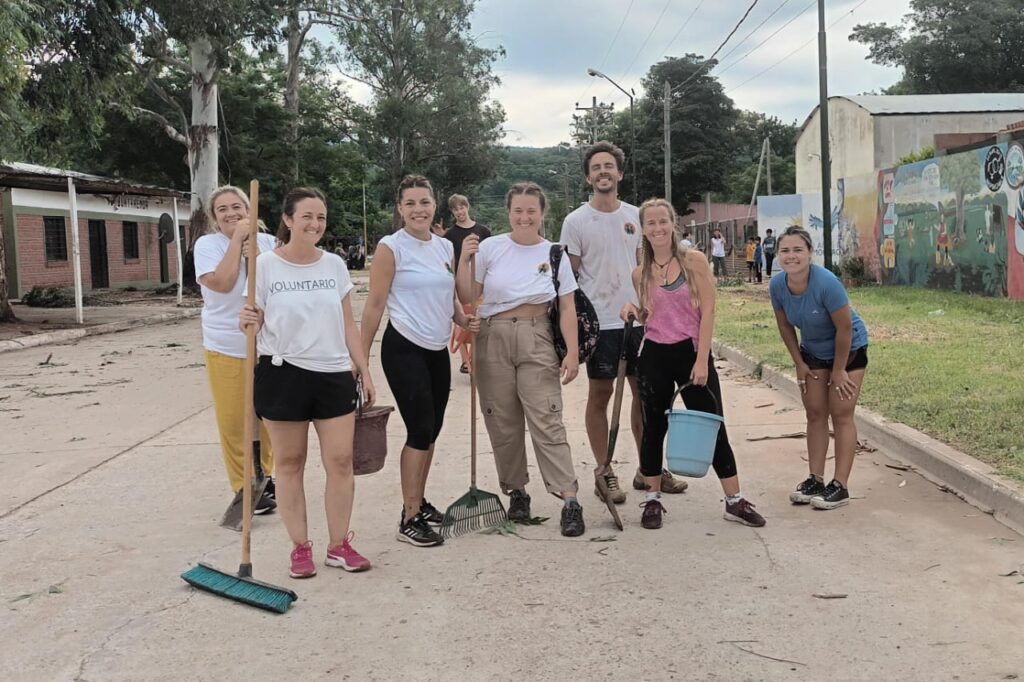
(227,385)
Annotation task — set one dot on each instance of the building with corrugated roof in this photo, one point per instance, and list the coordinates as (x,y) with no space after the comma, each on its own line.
(869,132)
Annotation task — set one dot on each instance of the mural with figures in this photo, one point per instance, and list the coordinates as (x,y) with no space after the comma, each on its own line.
(955,222)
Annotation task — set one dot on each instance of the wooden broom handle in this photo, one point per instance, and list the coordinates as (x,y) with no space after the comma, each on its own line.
(472,377)
(250,370)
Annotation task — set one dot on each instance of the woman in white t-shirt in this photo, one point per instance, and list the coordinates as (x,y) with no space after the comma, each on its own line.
(518,368)
(718,247)
(412,276)
(311,359)
(221,277)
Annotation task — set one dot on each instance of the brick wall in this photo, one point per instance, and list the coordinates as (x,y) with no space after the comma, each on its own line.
(36,271)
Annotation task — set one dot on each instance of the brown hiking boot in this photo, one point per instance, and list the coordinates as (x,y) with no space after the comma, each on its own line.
(617,494)
(669,483)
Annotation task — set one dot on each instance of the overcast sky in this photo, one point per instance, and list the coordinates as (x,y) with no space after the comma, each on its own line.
(550,44)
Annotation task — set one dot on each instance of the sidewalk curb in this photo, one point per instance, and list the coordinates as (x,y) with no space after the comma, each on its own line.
(973,481)
(65,335)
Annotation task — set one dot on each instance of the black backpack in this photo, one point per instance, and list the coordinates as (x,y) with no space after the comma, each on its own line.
(589,328)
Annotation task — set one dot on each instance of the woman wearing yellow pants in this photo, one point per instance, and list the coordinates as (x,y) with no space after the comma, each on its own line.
(219,271)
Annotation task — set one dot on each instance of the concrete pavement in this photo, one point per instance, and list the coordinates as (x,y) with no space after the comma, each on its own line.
(115,485)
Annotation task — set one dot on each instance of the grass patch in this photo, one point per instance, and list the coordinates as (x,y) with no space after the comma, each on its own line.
(950,365)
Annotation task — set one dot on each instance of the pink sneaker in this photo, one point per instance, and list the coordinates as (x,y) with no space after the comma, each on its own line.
(302,561)
(346,557)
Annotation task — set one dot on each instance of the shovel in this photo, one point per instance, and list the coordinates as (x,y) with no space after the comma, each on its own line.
(613,429)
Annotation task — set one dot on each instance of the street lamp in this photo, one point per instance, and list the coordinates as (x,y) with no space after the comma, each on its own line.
(632,129)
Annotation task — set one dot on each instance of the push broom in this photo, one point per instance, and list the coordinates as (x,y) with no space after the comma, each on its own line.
(241,586)
(476,509)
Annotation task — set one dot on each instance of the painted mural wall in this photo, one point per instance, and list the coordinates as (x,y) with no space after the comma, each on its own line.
(954,223)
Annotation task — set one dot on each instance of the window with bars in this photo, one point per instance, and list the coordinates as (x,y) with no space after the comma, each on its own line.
(55,238)
(130,238)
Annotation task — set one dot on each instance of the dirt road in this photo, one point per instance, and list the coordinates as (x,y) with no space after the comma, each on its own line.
(114,486)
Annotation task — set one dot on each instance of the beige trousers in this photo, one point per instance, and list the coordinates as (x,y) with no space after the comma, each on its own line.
(518,377)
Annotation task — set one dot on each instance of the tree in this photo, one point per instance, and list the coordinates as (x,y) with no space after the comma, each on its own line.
(430,82)
(960,174)
(701,119)
(748,134)
(951,47)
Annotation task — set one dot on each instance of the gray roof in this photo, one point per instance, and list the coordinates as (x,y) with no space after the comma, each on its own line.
(31,176)
(882,105)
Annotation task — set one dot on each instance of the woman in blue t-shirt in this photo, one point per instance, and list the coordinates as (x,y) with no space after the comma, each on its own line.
(830,358)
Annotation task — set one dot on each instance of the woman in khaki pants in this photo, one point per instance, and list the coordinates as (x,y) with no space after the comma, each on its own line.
(518,370)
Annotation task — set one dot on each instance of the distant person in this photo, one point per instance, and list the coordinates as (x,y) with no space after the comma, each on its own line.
(718,252)
(751,253)
(463,227)
(685,239)
(602,238)
(768,246)
(311,364)
(412,277)
(830,358)
(676,296)
(758,255)
(221,276)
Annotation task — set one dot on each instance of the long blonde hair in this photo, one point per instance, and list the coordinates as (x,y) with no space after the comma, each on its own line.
(647,259)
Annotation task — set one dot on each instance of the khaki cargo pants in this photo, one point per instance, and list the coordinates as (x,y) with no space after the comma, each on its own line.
(518,376)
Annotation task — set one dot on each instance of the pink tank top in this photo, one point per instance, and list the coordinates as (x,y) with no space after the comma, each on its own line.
(673,317)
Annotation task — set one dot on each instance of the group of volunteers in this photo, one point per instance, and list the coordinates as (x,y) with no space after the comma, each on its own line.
(514,296)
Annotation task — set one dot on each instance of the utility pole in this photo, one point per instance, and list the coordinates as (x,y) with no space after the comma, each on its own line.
(757,182)
(366,243)
(768,162)
(668,145)
(826,157)
(595,112)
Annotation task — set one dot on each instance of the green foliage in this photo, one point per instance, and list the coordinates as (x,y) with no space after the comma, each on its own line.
(952,47)
(49,297)
(922,154)
(852,268)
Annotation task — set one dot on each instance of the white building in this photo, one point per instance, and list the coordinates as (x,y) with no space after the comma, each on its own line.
(869,132)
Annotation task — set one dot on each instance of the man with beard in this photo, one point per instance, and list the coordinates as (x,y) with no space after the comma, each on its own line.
(602,238)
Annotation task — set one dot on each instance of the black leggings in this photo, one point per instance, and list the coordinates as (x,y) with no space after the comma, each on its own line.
(661,370)
(420,380)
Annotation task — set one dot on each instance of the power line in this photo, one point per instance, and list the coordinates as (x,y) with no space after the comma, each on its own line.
(657,23)
(772,35)
(610,45)
(755,29)
(719,48)
(680,31)
(764,71)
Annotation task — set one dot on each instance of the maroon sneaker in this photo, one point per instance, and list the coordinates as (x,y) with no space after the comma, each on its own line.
(742,511)
(651,518)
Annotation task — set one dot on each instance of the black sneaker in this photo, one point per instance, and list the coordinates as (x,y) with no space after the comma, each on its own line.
(834,495)
(266,505)
(430,513)
(806,490)
(518,506)
(271,489)
(572,520)
(416,531)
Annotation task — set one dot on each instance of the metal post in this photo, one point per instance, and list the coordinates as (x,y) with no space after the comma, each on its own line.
(668,144)
(593,122)
(826,157)
(757,184)
(768,162)
(177,246)
(76,251)
(632,134)
(366,241)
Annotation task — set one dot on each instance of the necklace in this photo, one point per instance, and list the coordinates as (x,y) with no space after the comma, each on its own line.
(664,269)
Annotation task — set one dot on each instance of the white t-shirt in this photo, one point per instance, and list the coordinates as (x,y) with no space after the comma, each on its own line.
(514,275)
(606,244)
(421,300)
(303,322)
(220,311)
(717,248)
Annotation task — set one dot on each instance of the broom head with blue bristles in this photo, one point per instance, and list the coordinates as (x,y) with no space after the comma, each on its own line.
(241,589)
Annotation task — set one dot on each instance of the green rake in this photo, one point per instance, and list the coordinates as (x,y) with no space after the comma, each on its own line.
(476,509)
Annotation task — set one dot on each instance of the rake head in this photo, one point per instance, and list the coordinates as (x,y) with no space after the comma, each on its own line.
(473,511)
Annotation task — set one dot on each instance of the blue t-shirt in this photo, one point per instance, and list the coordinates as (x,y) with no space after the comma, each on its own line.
(811,312)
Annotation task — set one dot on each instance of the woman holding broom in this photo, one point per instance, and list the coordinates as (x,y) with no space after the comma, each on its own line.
(676,293)
(221,277)
(412,276)
(518,369)
(830,357)
(311,361)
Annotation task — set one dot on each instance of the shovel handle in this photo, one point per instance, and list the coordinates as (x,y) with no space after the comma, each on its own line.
(472,380)
(250,370)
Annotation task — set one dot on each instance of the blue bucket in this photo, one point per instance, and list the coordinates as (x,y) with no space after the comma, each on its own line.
(690,446)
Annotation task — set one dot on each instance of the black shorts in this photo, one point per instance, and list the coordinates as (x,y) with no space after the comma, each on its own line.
(858,360)
(288,393)
(604,362)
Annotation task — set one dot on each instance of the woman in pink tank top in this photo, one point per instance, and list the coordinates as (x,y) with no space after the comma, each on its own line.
(676,294)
